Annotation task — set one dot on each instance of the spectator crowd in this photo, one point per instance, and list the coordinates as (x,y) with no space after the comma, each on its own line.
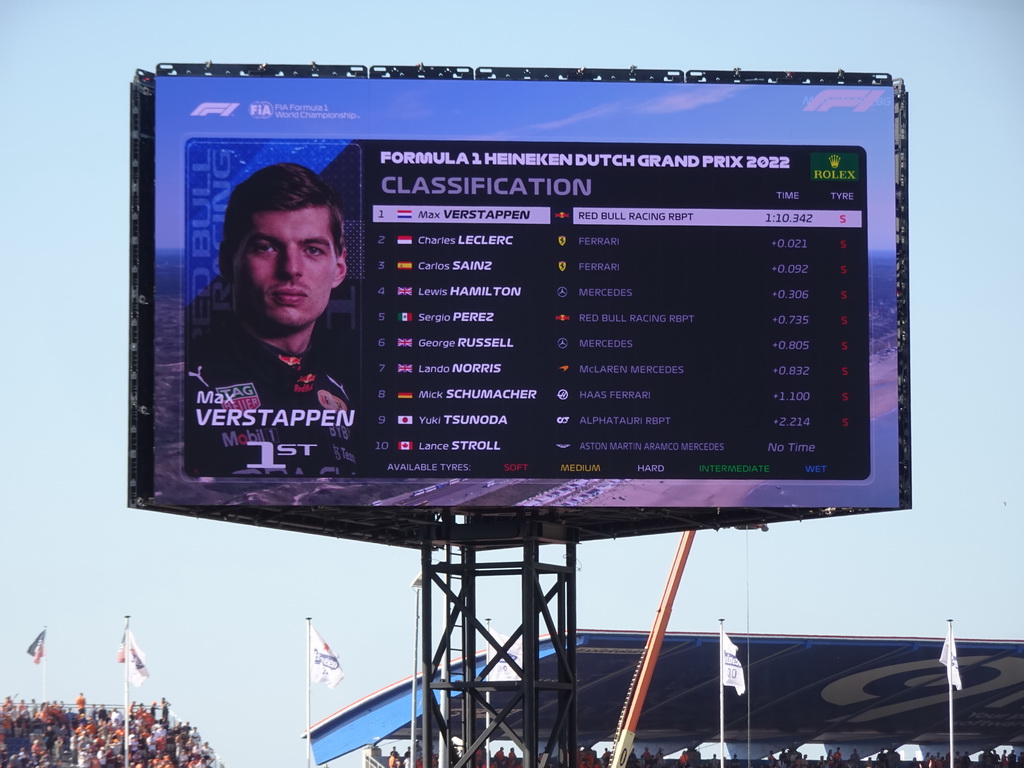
(59,735)
(692,758)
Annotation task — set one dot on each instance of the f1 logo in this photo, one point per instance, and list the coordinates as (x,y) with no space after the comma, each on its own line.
(857,99)
(222,108)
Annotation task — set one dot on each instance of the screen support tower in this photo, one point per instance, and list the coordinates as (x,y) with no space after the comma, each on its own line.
(465,707)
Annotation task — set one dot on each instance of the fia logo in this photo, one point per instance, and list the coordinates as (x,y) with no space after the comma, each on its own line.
(261,110)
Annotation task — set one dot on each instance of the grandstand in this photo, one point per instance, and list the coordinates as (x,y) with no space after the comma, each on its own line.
(865,693)
(60,735)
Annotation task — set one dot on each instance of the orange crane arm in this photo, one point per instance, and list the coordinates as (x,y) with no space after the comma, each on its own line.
(637,693)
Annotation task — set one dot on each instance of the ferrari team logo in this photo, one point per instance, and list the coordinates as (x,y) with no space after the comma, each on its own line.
(561,266)
(562,239)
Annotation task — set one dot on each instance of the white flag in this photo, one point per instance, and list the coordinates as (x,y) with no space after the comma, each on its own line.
(503,670)
(948,658)
(732,670)
(323,662)
(137,669)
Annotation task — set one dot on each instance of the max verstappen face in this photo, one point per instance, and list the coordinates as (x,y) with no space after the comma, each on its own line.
(283,275)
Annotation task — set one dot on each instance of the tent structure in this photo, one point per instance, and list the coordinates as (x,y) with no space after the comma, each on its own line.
(868,693)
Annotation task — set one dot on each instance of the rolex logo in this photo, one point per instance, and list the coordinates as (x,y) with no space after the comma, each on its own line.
(835,166)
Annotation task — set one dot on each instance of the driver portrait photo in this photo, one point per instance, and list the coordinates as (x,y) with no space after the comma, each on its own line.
(265,390)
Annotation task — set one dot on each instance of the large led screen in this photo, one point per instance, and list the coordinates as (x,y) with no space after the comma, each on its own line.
(483,293)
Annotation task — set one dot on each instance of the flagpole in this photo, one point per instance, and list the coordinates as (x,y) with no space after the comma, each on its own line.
(44,666)
(309,666)
(949,683)
(721,692)
(127,661)
(417,585)
(487,717)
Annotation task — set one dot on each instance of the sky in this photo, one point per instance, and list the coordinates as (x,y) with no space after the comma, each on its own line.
(220,609)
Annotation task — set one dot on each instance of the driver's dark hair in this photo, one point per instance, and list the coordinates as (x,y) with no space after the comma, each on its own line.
(281,187)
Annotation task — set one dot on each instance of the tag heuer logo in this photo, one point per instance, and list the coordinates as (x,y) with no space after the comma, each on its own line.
(835,166)
(242,397)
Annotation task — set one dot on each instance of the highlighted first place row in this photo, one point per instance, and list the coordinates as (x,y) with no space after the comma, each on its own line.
(716,217)
(656,217)
(469,214)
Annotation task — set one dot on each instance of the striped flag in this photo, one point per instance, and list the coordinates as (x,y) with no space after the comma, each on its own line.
(138,672)
(36,649)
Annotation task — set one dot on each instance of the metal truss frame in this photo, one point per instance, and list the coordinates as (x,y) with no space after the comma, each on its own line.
(464,710)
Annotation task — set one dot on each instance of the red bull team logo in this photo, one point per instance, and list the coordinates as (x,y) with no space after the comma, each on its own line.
(305,383)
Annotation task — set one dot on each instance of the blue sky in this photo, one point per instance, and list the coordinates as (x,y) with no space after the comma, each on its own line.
(220,609)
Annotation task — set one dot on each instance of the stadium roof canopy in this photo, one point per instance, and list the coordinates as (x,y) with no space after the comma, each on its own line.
(871,693)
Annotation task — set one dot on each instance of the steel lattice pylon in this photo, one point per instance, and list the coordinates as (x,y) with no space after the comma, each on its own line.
(464,710)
